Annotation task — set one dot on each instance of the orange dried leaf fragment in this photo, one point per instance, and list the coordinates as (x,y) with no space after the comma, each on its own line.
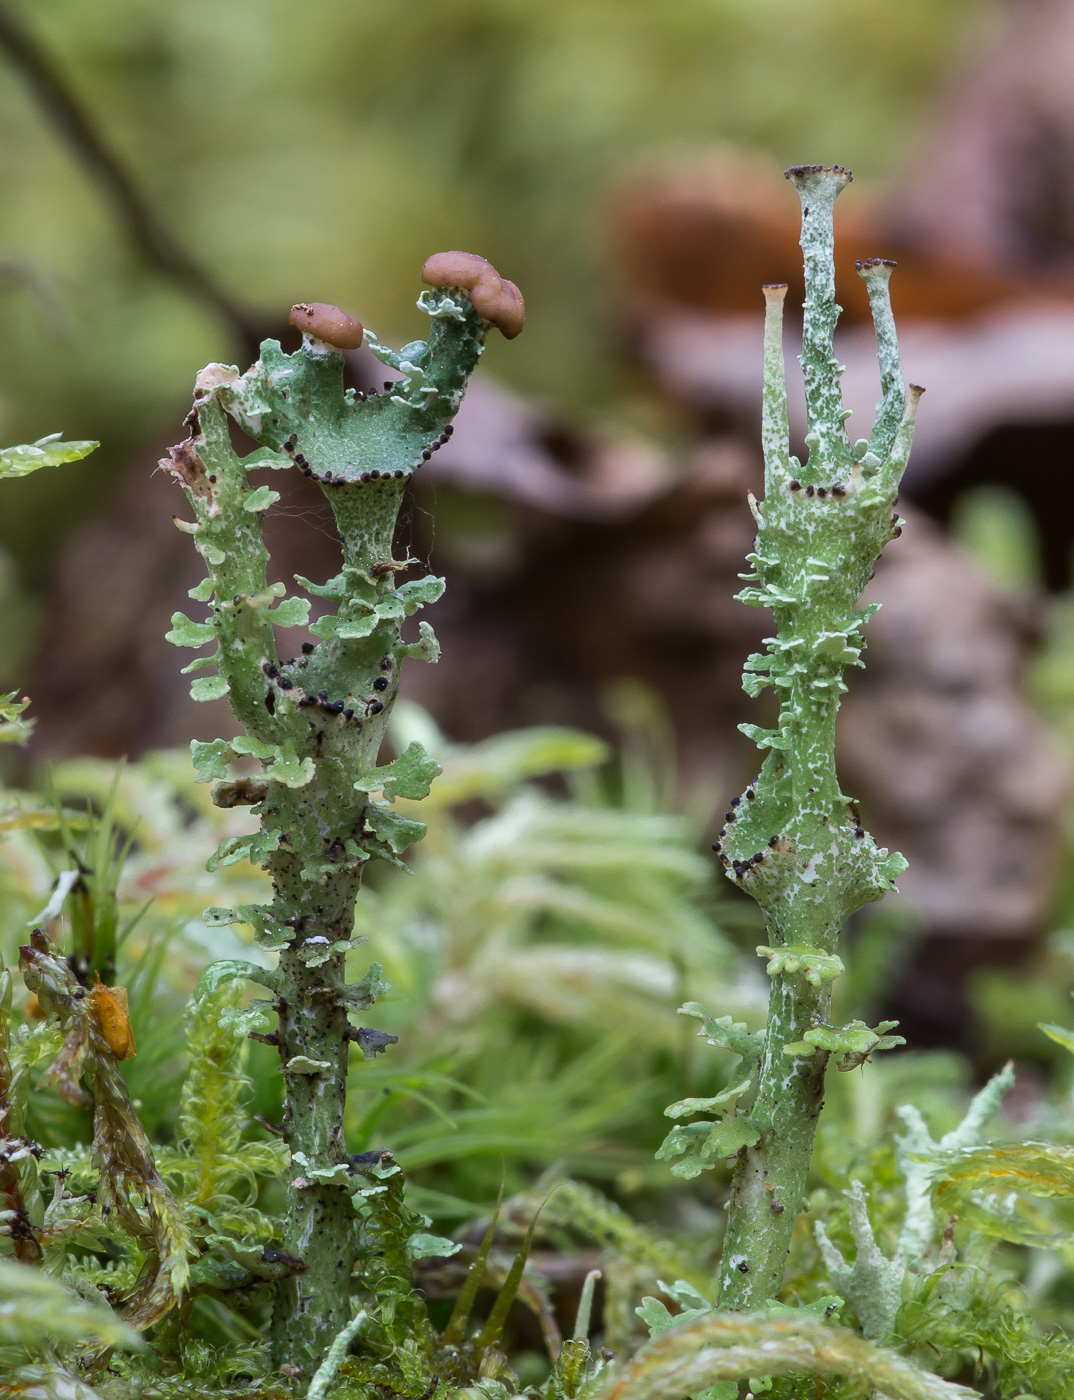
(108,1007)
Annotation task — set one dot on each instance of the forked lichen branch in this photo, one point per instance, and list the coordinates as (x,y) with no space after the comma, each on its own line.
(793,839)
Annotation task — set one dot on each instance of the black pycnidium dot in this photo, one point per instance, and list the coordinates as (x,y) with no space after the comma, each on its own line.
(773,840)
(213,479)
(365,476)
(796,486)
(735,801)
(400,472)
(381,683)
(286,683)
(822,492)
(388,383)
(376,707)
(750,794)
(307,647)
(728,816)
(809,491)
(896,532)
(322,695)
(743,1264)
(386,664)
(449,430)
(348,714)
(839,490)
(716,846)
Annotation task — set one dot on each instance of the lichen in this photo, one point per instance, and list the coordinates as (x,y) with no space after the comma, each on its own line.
(794,840)
(314,724)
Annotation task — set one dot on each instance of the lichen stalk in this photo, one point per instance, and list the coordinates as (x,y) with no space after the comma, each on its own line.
(315,724)
(793,840)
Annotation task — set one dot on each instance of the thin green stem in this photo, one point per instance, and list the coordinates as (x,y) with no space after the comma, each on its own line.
(775,432)
(818,188)
(876,274)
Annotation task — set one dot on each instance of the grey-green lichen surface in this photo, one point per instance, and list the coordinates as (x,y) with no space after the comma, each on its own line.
(793,839)
(314,724)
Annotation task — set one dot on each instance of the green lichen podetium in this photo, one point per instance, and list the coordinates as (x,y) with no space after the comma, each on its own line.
(793,840)
(315,724)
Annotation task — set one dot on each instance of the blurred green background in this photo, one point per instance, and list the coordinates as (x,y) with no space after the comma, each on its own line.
(323,150)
